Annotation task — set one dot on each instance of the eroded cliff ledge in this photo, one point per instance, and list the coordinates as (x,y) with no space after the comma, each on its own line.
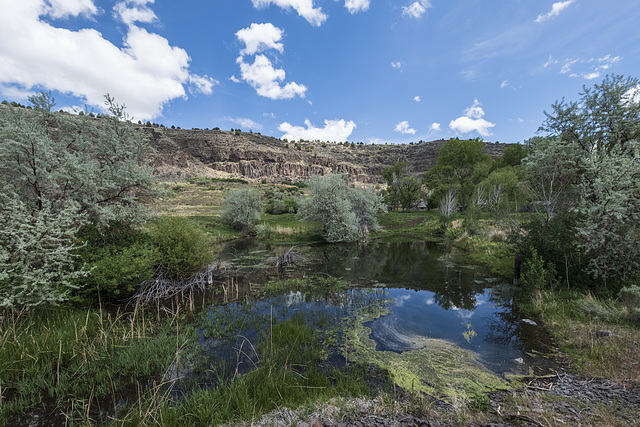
(182,153)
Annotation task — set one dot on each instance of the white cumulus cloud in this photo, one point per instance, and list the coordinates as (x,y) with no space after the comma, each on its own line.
(260,37)
(355,6)
(472,121)
(67,8)
(266,80)
(305,8)
(145,72)
(417,98)
(556,8)
(132,11)
(416,9)
(333,130)
(435,127)
(403,128)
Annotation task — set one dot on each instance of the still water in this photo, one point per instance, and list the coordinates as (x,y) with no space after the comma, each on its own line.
(427,292)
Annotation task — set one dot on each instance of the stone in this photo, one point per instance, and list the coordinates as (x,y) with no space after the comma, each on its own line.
(604,333)
(529,322)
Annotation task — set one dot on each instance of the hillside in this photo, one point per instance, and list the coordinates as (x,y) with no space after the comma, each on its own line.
(182,153)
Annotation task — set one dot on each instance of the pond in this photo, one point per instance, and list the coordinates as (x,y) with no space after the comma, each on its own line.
(407,302)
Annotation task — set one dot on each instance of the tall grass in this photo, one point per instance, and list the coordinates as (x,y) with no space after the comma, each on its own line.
(81,361)
(289,371)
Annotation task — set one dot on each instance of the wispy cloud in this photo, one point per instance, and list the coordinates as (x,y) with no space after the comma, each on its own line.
(305,8)
(397,65)
(416,9)
(556,9)
(588,69)
(244,122)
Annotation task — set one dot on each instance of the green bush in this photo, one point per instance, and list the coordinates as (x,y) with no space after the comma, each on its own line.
(280,203)
(536,273)
(183,248)
(116,272)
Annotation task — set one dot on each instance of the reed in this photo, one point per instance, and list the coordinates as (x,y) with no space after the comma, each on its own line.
(81,360)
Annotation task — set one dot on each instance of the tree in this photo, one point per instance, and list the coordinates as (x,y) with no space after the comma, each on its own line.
(552,173)
(608,227)
(499,191)
(448,204)
(242,209)
(392,174)
(607,115)
(57,174)
(366,204)
(461,164)
(588,167)
(402,190)
(344,213)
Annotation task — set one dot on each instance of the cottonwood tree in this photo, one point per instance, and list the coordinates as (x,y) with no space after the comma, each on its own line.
(402,190)
(57,174)
(461,164)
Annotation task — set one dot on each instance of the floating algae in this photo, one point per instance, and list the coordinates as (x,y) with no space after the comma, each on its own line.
(432,366)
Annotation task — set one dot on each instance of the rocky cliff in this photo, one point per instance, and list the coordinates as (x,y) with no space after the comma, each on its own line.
(181,153)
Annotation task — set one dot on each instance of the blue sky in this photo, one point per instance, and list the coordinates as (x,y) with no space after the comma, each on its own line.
(357,70)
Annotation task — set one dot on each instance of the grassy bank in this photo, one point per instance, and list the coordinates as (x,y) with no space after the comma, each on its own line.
(83,361)
(598,336)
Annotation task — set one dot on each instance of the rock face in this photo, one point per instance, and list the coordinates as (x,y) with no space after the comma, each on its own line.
(181,153)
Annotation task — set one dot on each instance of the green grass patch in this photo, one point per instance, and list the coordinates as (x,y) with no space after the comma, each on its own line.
(285,228)
(577,321)
(409,223)
(82,358)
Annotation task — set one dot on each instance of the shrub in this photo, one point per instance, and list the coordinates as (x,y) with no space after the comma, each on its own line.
(183,248)
(536,273)
(242,210)
(116,272)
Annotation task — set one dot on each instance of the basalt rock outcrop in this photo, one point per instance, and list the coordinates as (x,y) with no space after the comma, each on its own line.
(182,153)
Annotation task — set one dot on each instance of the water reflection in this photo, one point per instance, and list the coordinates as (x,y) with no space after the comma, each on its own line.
(431,296)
